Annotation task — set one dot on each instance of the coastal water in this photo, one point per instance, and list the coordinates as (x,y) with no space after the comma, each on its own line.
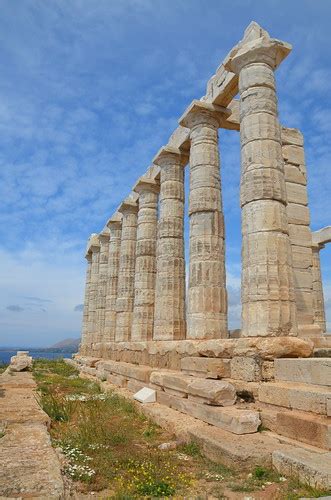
(6,355)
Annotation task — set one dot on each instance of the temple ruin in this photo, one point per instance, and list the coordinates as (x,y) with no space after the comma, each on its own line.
(144,326)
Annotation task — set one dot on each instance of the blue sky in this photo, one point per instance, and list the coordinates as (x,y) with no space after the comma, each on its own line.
(89,91)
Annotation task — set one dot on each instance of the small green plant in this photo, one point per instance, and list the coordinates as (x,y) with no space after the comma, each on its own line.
(192,449)
(156,489)
(260,473)
(3,367)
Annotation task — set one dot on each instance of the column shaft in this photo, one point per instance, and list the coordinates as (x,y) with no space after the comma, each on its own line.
(207,296)
(84,339)
(102,287)
(93,295)
(319,306)
(169,315)
(145,272)
(115,228)
(268,303)
(125,290)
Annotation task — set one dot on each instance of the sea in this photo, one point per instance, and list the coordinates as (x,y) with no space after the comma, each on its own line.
(5,355)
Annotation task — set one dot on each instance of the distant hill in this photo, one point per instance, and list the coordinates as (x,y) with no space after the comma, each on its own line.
(71,344)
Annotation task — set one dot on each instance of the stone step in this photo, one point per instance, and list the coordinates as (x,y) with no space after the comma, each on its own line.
(305,397)
(304,427)
(128,370)
(322,352)
(316,371)
(231,419)
(308,467)
(201,390)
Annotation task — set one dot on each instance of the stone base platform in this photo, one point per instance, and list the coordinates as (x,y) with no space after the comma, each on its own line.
(168,354)
(226,434)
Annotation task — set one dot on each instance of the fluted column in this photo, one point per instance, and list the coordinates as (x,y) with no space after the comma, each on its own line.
(268,302)
(318,296)
(84,339)
(169,315)
(102,288)
(145,272)
(125,290)
(207,296)
(95,251)
(115,230)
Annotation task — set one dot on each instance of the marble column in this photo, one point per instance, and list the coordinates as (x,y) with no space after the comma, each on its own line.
(126,273)
(318,296)
(145,272)
(95,251)
(115,230)
(169,313)
(102,288)
(84,339)
(207,296)
(268,301)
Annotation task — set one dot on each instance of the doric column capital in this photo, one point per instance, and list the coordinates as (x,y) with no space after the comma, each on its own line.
(128,206)
(145,184)
(93,244)
(169,154)
(115,221)
(262,50)
(104,236)
(203,113)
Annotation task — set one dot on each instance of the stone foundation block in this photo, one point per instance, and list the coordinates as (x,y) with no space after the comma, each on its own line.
(117,380)
(248,369)
(212,392)
(307,428)
(135,386)
(206,367)
(296,396)
(308,467)
(171,380)
(128,370)
(267,370)
(309,371)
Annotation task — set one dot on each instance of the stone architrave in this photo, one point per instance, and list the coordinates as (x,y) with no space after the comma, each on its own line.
(207,296)
(268,301)
(115,229)
(102,286)
(83,344)
(126,273)
(145,271)
(169,315)
(94,247)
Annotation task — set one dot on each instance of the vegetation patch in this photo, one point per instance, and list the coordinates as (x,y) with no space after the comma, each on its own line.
(108,445)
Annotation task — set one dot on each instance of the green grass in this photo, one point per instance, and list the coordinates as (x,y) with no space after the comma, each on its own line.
(109,445)
(3,367)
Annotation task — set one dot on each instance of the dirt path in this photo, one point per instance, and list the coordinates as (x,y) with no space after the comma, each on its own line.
(29,465)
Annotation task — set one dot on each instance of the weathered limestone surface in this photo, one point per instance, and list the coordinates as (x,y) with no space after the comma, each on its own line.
(298,215)
(317,285)
(102,286)
(267,277)
(302,426)
(308,467)
(308,371)
(20,362)
(298,396)
(126,273)
(115,229)
(206,367)
(169,315)
(145,271)
(207,296)
(94,246)
(29,465)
